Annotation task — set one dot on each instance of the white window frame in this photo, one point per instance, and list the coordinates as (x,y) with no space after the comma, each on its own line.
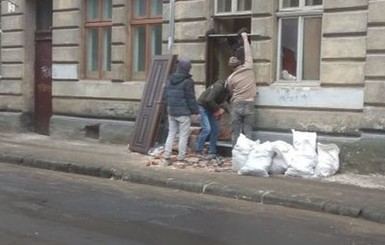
(295,12)
(301,6)
(234,7)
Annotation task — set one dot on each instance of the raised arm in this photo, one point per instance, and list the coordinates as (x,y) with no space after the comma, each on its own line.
(247,49)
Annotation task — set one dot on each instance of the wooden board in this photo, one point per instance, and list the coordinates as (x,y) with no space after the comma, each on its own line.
(147,123)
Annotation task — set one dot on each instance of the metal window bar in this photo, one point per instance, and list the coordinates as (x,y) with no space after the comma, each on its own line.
(225,35)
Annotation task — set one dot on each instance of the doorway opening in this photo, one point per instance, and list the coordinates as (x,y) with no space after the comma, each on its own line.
(222,41)
(221,44)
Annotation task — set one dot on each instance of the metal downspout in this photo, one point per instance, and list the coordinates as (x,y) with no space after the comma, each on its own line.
(171,26)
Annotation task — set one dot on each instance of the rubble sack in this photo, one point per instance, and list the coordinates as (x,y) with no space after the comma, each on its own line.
(305,158)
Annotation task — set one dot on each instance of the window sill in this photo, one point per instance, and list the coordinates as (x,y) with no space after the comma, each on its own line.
(232,14)
(286,83)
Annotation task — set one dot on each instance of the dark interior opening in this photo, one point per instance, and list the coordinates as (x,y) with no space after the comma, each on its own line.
(221,45)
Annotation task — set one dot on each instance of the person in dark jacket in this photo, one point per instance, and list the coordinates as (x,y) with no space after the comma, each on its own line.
(181,104)
(210,111)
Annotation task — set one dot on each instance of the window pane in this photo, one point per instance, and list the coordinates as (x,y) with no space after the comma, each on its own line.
(223,6)
(311,49)
(313,2)
(140,8)
(92,50)
(92,9)
(107,49)
(290,3)
(43,15)
(156,7)
(107,9)
(156,39)
(139,51)
(289,42)
(244,5)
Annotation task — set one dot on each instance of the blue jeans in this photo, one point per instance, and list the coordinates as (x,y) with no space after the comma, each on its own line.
(210,126)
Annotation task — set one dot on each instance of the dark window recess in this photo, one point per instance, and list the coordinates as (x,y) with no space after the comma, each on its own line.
(147,125)
(44,15)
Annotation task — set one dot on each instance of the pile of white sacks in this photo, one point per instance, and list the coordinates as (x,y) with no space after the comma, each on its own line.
(305,158)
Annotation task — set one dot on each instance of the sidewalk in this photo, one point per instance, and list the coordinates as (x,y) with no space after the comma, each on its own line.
(352,195)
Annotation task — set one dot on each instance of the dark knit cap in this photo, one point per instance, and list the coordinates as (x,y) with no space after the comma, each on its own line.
(234,62)
(184,66)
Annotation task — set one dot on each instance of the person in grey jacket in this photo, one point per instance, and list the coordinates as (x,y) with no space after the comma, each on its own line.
(181,104)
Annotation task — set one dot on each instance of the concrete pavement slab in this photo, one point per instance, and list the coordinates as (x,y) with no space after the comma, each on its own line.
(343,194)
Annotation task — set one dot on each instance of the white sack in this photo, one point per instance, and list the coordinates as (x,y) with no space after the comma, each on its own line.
(328,160)
(241,151)
(259,161)
(304,139)
(283,157)
(305,156)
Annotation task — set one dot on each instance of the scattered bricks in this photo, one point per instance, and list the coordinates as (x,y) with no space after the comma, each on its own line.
(153,162)
(193,159)
(219,170)
(220,164)
(179,164)
(227,164)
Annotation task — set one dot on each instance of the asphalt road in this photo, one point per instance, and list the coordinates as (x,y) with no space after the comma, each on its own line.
(47,207)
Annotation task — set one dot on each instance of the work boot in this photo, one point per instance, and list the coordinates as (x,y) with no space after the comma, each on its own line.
(199,155)
(211,157)
(167,161)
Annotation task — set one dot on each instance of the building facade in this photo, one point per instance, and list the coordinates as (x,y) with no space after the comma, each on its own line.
(77,69)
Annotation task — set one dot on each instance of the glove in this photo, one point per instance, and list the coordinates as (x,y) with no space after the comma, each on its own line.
(243,29)
(218,114)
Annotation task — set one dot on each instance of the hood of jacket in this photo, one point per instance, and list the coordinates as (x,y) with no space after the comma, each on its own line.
(178,78)
(182,71)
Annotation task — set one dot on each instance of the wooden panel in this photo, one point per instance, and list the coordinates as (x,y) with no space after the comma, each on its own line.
(43,81)
(152,106)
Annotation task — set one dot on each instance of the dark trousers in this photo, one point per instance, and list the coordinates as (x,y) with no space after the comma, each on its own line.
(242,119)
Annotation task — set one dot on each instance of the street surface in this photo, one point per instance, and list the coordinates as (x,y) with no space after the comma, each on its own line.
(47,207)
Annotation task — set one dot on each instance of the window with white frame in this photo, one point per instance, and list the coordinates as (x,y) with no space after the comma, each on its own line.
(299,40)
(232,6)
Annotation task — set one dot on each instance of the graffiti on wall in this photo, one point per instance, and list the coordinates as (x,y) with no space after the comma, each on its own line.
(293,95)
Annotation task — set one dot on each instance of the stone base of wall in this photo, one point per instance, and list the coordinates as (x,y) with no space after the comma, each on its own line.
(107,131)
(15,122)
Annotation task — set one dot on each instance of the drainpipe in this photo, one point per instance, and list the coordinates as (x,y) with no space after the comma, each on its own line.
(171,26)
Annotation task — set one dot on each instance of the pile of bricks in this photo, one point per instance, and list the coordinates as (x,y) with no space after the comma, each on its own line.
(192,162)
(220,164)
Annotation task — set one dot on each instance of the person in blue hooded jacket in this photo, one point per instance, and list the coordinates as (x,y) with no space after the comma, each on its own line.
(181,104)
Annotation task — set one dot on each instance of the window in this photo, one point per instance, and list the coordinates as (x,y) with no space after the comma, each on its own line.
(232,6)
(146,32)
(299,52)
(98,23)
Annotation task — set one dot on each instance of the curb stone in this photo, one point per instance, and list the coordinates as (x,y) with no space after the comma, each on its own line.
(211,188)
(339,208)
